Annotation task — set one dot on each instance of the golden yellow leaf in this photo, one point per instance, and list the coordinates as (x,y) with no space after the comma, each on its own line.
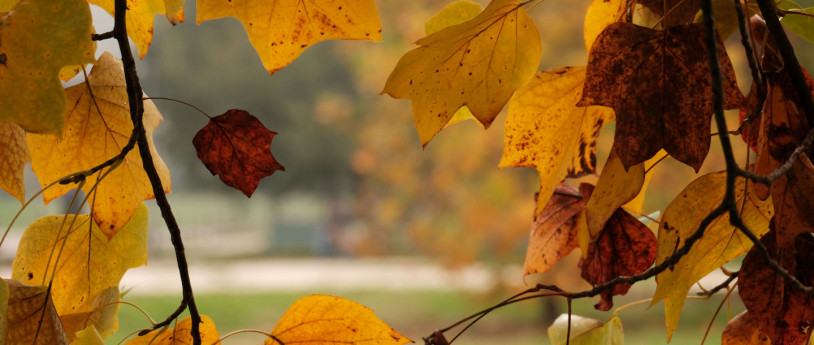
(546,131)
(30,310)
(6,5)
(478,64)
(615,188)
(14,154)
(102,317)
(180,335)
(280,30)
(91,138)
(88,336)
(38,38)
(636,205)
(140,17)
(327,320)
(721,243)
(89,266)
(600,14)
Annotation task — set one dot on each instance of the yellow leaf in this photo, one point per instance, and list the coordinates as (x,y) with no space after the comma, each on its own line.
(546,131)
(478,64)
(4,299)
(88,336)
(179,335)
(90,264)
(91,138)
(32,319)
(6,5)
(453,14)
(327,320)
(102,316)
(586,331)
(614,188)
(636,205)
(38,38)
(140,17)
(600,14)
(14,154)
(721,243)
(280,30)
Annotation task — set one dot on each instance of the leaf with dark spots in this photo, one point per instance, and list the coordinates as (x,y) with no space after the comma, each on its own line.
(658,83)
(236,146)
(793,201)
(625,247)
(787,315)
(554,231)
(30,315)
(744,329)
(674,12)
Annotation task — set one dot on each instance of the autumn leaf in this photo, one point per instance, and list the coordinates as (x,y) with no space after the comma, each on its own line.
(721,243)
(614,188)
(14,153)
(101,317)
(95,131)
(674,12)
(785,313)
(90,265)
(325,320)
(141,15)
(744,329)
(799,21)
(477,64)
(625,247)
(545,130)
(793,202)
(39,38)
(600,14)
(658,84)
(585,331)
(88,336)
(553,233)
(236,146)
(180,335)
(280,30)
(32,318)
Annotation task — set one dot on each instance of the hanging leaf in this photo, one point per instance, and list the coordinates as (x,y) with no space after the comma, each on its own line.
(94,135)
(280,30)
(600,14)
(674,12)
(793,202)
(553,233)
(625,247)
(38,38)
(88,336)
(721,243)
(799,21)
(14,153)
(32,319)
(180,335)
(326,320)
(141,15)
(88,271)
(102,317)
(744,329)
(614,188)
(477,64)
(236,146)
(586,331)
(658,84)
(785,313)
(545,130)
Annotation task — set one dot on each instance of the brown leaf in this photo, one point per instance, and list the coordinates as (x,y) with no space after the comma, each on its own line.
(786,314)
(744,329)
(553,233)
(658,84)
(32,318)
(625,247)
(793,202)
(237,146)
(678,12)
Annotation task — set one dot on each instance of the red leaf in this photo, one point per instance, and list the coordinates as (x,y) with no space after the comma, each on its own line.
(625,247)
(787,315)
(236,146)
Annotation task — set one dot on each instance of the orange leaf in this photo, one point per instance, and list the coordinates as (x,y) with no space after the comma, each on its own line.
(181,335)
(553,233)
(744,329)
(658,84)
(327,320)
(237,146)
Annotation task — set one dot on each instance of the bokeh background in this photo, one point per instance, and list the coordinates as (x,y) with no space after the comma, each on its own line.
(422,236)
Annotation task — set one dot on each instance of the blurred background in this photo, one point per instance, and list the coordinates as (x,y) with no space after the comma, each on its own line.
(423,237)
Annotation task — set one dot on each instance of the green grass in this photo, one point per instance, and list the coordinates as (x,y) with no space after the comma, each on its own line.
(417,314)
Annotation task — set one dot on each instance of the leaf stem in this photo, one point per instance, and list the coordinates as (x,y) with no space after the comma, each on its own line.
(179,101)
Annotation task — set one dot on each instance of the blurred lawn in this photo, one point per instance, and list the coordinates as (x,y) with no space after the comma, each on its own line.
(417,313)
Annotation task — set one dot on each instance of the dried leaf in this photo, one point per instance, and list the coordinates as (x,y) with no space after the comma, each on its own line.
(625,247)
(141,15)
(658,84)
(793,202)
(32,318)
(478,64)
(678,12)
(39,38)
(744,329)
(14,153)
(785,313)
(91,138)
(237,147)
(326,320)
(280,30)
(553,233)
(721,242)
(181,335)
(545,130)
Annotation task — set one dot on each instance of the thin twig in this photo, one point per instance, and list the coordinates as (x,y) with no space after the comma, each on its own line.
(757,77)
(720,286)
